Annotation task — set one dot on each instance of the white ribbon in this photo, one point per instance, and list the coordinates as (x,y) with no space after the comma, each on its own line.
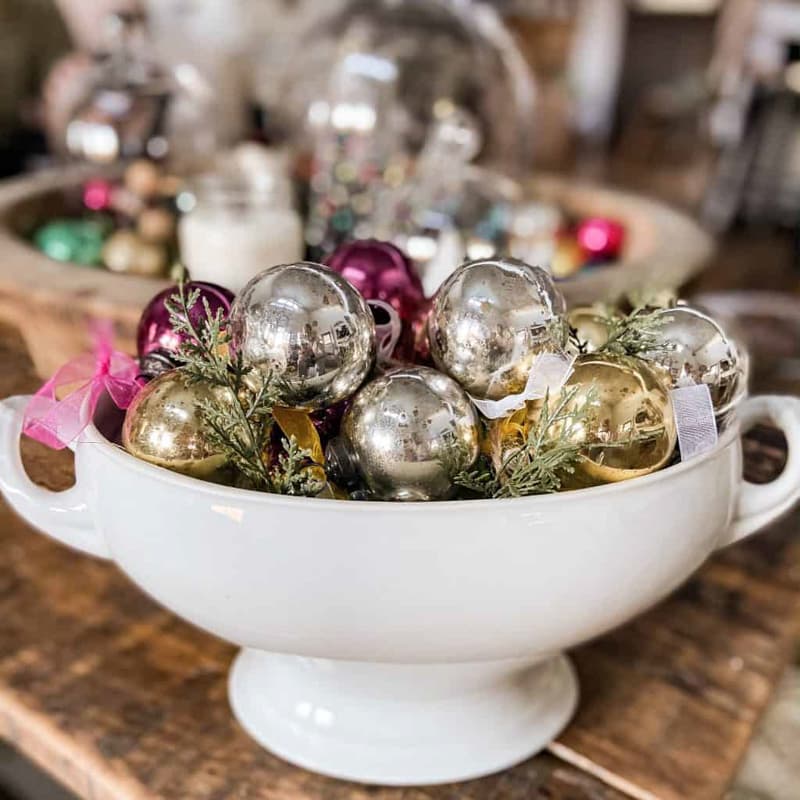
(694,419)
(387,334)
(549,373)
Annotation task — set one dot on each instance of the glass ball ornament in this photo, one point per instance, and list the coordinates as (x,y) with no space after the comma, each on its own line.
(155,332)
(381,271)
(590,327)
(490,320)
(308,328)
(694,349)
(164,426)
(628,428)
(406,434)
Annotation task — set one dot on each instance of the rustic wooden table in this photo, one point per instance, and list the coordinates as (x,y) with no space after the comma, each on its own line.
(119,699)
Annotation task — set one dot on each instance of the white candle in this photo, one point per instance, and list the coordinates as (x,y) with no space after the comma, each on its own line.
(230,246)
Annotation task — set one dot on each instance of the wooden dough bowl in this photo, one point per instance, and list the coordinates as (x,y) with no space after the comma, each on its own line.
(51,302)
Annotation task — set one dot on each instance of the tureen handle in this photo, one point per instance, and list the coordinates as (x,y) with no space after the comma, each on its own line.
(760,504)
(63,515)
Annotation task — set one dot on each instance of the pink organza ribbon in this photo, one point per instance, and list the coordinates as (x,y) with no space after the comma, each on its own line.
(58,423)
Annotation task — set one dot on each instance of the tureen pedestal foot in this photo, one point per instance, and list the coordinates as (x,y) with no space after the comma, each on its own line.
(403,725)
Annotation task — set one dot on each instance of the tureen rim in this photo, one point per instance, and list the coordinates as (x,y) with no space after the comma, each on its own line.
(114,452)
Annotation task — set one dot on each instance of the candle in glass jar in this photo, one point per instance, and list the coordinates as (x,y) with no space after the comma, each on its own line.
(235,230)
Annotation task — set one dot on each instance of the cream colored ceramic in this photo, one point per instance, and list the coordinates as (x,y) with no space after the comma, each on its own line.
(404,643)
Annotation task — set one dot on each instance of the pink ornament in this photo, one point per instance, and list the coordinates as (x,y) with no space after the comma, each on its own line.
(601,239)
(381,271)
(155,332)
(97,194)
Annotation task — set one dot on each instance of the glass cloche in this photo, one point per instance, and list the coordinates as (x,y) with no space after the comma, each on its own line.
(393,100)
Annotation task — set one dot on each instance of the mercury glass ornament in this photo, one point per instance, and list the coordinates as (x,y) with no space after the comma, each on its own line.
(76,240)
(155,333)
(406,434)
(381,271)
(307,327)
(694,349)
(628,429)
(489,321)
(164,426)
(590,327)
(126,251)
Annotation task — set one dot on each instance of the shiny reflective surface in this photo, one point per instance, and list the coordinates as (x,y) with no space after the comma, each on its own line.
(409,432)
(699,351)
(163,426)
(629,429)
(308,327)
(489,321)
(590,326)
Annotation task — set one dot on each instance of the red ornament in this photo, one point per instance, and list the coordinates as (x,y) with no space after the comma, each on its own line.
(601,239)
(381,271)
(97,194)
(155,334)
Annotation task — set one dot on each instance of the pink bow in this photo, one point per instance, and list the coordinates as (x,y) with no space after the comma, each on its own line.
(58,423)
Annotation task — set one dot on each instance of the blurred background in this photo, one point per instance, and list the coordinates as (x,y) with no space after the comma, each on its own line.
(637,148)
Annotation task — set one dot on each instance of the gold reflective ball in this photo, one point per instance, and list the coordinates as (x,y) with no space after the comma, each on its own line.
(590,326)
(156,225)
(126,251)
(143,178)
(629,427)
(164,426)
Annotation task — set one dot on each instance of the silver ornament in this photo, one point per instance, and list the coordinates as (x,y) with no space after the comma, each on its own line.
(406,435)
(307,327)
(694,349)
(489,321)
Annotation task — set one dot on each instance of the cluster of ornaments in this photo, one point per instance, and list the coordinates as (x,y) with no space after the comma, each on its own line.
(127,226)
(402,428)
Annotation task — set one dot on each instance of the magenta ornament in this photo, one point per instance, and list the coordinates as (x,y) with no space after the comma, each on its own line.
(155,334)
(97,194)
(600,238)
(381,271)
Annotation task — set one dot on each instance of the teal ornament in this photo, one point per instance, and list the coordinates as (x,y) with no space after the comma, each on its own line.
(76,240)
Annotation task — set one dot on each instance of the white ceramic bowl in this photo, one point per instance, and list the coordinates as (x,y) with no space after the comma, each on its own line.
(404,643)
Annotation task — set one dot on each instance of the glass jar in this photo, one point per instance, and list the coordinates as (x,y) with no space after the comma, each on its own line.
(233,228)
(393,96)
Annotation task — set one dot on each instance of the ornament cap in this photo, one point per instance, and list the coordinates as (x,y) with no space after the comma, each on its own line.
(341,465)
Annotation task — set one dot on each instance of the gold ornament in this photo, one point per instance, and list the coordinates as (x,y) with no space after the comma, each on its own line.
(627,426)
(590,326)
(567,259)
(156,225)
(143,178)
(164,425)
(126,251)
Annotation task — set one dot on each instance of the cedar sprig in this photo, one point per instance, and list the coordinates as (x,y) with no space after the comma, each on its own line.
(635,334)
(239,417)
(540,464)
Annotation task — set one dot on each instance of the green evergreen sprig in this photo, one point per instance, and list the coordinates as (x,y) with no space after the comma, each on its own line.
(635,334)
(540,463)
(239,415)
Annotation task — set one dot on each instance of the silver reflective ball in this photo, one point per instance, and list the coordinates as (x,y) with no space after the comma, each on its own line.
(309,328)
(489,321)
(409,432)
(695,350)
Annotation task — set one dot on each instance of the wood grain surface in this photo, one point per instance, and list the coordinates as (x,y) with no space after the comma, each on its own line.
(121,700)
